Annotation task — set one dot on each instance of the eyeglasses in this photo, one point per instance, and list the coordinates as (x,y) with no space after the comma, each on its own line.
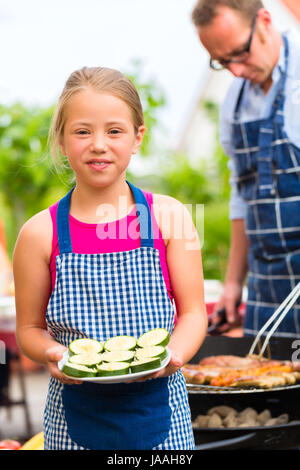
(238,58)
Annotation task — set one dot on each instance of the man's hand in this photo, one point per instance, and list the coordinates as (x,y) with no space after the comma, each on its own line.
(229,302)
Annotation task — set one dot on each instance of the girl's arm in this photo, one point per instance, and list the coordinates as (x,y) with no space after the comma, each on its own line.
(186,276)
(32,291)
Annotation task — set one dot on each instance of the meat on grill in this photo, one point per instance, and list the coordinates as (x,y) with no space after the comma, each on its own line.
(236,371)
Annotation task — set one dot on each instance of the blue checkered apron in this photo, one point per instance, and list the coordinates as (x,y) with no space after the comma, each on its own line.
(268,178)
(100,296)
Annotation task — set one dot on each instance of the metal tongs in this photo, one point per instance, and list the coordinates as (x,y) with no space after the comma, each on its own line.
(286,305)
(213,329)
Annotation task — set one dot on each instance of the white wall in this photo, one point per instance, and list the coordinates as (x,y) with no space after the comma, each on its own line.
(199,137)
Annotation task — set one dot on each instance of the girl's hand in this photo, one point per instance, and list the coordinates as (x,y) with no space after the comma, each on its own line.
(174,364)
(53,355)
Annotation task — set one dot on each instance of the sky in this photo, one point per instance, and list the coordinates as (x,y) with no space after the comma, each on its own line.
(42,42)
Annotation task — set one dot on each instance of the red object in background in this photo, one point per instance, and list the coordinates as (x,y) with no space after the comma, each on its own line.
(10,444)
(234,332)
(9,339)
(211,305)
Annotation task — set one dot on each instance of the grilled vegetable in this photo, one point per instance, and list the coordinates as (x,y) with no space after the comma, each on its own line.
(151,351)
(118,356)
(85,345)
(112,368)
(156,337)
(120,343)
(78,370)
(145,364)
(86,359)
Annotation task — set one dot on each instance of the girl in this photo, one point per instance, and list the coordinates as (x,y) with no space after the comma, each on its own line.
(73,281)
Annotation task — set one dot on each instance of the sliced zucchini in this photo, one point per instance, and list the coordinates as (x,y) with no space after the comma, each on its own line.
(112,368)
(151,351)
(118,356)
(78,370)
(86,359)
(156,337)
(120,343)
(85,345)
(145,364)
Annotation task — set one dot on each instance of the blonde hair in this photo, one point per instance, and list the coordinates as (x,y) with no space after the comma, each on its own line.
(102,80)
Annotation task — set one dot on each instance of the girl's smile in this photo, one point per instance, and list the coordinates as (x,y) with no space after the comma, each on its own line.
(99,165)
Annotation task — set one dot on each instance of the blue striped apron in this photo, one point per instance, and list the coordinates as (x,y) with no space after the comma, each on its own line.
(268,178)
(99,296)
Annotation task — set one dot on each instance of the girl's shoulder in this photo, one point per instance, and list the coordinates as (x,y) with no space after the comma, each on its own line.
(36,233)
(168,204)
(38,224)
(172,217)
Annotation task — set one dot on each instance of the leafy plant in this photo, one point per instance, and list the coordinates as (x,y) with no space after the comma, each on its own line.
(216,240)
(29,182)
(152,99)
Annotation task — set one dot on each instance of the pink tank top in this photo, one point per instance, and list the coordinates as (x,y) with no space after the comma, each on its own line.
(86,240)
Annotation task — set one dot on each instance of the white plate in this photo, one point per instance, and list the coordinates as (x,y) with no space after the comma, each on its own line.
(116,378)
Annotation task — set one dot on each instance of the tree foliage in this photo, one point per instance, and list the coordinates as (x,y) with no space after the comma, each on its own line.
(26,174)
(152,99)
(29,181)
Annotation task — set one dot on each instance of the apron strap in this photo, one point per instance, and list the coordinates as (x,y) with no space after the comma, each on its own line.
(267,134)
(63,226)
(278,105)
(267,130)
(238,103)
(143,212)
(144,215)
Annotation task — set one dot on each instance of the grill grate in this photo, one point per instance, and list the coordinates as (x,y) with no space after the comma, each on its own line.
(198,389)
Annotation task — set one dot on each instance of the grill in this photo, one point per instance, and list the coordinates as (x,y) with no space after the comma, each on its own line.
(278,400)
(205,389)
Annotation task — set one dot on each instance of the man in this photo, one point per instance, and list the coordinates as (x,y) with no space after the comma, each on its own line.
(260,132)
